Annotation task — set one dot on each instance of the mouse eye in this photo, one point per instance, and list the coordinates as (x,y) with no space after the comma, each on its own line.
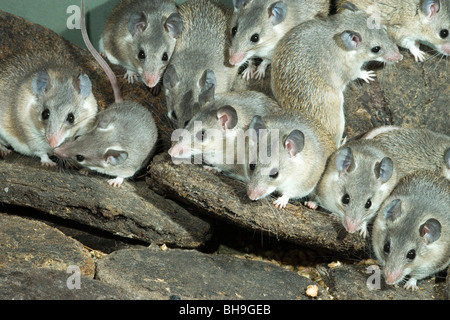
(368,204)
(443,33)
(45,114)
(387,247)
(141,55)
(201,135)
(165,57)
(273,173)
(254,38)
(70,118)
(79,158)
(376,49)
(252,166)
(345,199)
(411,254)
(234,31)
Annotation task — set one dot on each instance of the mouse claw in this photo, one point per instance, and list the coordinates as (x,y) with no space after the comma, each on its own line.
(418,54)
(131,76)
(249,72)
(367,76)
(311,204)
(281,202)
(411,284)
(116,182)
(4,151)
(47,162)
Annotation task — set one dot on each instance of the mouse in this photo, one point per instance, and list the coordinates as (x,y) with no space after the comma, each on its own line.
(413,22)
(199,57)
(411,235)
(46,99)
(219,131)
(258,25)
(316,60)
(362,173)
(292,163)
(140,36)
(357,179)
(123,137)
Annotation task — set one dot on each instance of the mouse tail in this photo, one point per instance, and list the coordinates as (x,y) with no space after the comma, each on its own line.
(111,76)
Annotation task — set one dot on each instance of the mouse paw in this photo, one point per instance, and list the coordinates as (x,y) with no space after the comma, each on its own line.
(47,162)
(131,76)
(249,72)
(4,151)
(260,72)
(363,230)
(418,54)
(367,75)
(411,284)
(281,202)
(116,182)
(312,205)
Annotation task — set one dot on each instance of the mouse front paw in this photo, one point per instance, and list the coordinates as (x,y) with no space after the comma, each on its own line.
(367,75)
(4,151)
(131,76)
(411,284)
(47,162)
(312,205)
(281,202)
(116,182)
(249,72)
(418,54)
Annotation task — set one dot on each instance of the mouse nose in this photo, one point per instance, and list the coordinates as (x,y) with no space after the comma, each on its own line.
(151,79)
(351,225)
(392,276)
(235,58)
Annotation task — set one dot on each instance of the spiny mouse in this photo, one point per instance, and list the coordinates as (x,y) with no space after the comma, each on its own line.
(314,62)
(411,234)
(258,25)
(122,139)
(140,36)
(412,22)
(45,100)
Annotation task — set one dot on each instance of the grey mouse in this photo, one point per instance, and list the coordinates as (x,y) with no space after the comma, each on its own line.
(293,162)
(362,173)
(219,131)
(140,36)
(258,25)
(315,61)
(45,100)
(411,232)
(412,22)
(198,58)
(122,139)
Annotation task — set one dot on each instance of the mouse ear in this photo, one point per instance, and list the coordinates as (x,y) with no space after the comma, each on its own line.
(239,4)
(345,161)
(174,25)
(294,142)
(137,22)
(115,157)
(447,158)
(430,7)
(277,12)
(41,82)
(170,77)
(349,40)
(393,210)
(84,85)
(430,231)
(349,6)
(384,169)
(208,85)
(227,117)
(257,124)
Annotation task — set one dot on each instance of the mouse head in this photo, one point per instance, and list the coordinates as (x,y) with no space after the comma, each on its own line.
(274,153)
(64,104)
(96,149)
(361,180)
(207,134)
(435,24)
(254,28)
(153,43)
(362,41)
(184,98)
(407,239)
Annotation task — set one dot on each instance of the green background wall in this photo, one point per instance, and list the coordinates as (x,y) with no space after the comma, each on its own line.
(53,14)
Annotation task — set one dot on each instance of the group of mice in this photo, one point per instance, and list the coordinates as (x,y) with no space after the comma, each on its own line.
(399,177)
